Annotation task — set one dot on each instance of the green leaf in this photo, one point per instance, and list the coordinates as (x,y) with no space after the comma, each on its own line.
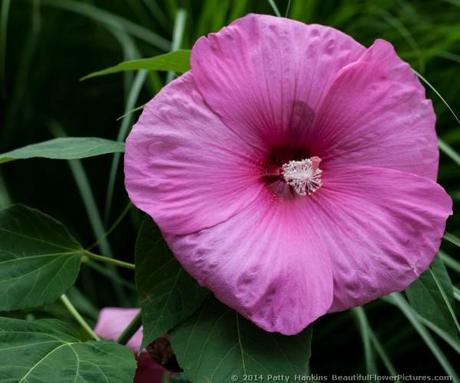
(47,351)
(167,294)
(66,148)
(39,259)
(432,297)
(216,344)
(176,61)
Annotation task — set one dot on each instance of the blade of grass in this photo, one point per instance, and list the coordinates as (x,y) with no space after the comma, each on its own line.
(274,7)
(445,299)
(87,196)
(157,12)
(21,81)
(5,10)
(5,199)
(288,8)
(130,52)
(406,35)
(137,108)
(138,11)
(382,353)
(452,239)
(220,15)
(113,227)
(363,326)
(439,95)
(441,333)
(450,262)
(111,20)
(449,56)
(178,32)
(172,7)
(91,208)
(303,10)
(204,22)
(93,213)
(404,307)
(238,9)
(453,2)
(449,151)
(445,148)
(457,294)
(122,133)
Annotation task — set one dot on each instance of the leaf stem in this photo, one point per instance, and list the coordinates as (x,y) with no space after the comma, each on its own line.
(73,311)
(108,273)
(131,329)
(111,261)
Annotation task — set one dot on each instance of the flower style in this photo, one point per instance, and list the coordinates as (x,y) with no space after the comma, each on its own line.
(292,171)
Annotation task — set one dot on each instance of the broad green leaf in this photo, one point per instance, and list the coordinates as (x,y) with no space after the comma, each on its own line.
(167,294)
(39,259)
(432,297)
(218,345)
(47,351)
(65,148)
(176,61)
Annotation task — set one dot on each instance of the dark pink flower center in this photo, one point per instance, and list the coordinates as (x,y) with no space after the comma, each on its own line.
(289,173)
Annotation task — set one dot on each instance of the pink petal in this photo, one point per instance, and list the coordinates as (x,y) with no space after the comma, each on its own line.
(383,228)
(184,167)
(265,75)
(268,262)
(375,113)
(113,320)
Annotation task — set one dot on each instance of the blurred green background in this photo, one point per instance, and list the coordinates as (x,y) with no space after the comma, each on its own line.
(46,46)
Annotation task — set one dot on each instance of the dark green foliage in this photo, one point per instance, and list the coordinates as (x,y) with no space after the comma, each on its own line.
(48,351)
(167,294)
(46,47)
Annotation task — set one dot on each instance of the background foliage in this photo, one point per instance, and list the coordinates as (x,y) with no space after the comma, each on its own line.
(47,46)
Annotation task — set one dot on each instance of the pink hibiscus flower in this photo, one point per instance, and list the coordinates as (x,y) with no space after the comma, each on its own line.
(292,170)
(111,323)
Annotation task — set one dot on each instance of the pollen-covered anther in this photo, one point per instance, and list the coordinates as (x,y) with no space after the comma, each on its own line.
(304,176)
